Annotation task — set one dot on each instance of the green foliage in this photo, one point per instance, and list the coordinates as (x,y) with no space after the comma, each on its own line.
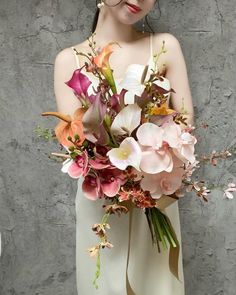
(46,133)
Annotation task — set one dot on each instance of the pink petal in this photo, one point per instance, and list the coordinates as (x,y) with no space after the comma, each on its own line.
(91,187)
(156,161)
(187,151)
(179,155)
(98,165)
(149,134)
(172,133)
(75,171)
(150,182)
(110,188)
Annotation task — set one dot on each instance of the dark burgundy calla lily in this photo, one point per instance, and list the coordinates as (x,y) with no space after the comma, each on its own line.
(93,121)
(79,83)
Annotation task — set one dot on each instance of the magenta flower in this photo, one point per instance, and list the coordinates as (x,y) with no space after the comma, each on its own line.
(79,83)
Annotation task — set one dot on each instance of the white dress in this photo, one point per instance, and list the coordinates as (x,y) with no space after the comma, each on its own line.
(133,266)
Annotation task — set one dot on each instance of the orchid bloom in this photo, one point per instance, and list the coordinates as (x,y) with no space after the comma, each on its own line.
(132,82)
(91,187)
(155,155)
(111,180)
(127,154)
(126,120)
(105,181)
(76,167)
(165,182)
(182,142)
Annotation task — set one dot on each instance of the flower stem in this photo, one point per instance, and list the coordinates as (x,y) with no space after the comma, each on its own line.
(98,268)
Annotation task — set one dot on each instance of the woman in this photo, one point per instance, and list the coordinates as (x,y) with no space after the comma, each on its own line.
(133,266)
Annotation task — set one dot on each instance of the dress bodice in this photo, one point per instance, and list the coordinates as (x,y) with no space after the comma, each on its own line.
(135,69)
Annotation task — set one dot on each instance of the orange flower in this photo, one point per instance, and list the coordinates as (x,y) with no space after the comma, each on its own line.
(162,110)
(102,62)
(69,126)
(102,59)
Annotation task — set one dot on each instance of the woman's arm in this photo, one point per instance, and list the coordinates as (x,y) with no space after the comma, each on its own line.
(178,77)
(64,67)
(176,73)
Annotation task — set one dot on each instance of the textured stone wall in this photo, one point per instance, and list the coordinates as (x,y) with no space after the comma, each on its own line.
(37,214)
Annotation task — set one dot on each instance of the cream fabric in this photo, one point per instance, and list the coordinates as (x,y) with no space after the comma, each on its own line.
(148,270)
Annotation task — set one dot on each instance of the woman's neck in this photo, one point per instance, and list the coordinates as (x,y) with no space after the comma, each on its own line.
(109,29)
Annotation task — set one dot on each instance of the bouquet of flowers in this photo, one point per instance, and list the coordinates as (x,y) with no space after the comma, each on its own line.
(129,147)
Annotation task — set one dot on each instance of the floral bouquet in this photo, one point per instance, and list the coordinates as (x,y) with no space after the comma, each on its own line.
(130,148)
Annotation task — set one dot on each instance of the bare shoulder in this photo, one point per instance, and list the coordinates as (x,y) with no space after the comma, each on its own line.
(171,41)
(172,47)
(65,56)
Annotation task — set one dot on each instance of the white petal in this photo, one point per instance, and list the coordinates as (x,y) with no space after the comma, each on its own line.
(128,118)
(66,164)
(228,195)
(164,84)
(128,154)
(129,97)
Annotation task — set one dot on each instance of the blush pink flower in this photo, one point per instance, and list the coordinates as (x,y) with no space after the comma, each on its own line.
(180,141)
(165,182)
(155,154)
(76,167)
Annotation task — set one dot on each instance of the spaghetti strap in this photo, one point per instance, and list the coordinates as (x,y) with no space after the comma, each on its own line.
(76,57)
(151,44)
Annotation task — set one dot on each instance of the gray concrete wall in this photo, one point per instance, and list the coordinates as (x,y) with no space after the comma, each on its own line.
(37,214)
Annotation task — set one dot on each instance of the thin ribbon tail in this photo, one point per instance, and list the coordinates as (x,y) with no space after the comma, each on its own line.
(174,253)
(129,290)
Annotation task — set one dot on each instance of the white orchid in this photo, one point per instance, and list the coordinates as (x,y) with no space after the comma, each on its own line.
(127,154)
